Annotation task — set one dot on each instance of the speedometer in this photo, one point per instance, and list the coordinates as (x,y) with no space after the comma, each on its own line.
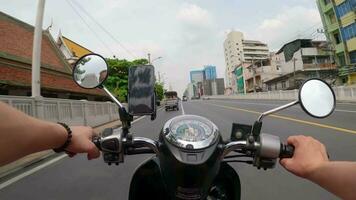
(191,132)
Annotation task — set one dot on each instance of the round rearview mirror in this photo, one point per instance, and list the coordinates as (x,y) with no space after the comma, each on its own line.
(90,71)
(317,98)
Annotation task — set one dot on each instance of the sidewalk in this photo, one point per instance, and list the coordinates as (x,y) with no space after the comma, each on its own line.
(36,157)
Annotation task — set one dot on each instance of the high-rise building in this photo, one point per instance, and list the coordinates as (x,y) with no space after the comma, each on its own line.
(209,72)
(237,51)
(196,76)
(339,20)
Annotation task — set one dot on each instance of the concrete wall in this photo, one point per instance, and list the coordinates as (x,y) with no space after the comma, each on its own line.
(342,93)
(73,112)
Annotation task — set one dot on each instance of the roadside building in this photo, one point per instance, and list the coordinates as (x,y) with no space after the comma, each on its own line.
(299,60)
(238,51)
(339,20)
(15,64)
(196,76)
(209,72)
(71,50)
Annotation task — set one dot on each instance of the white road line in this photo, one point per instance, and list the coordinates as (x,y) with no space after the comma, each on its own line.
(271,104)
(350,111)
(37,168)
(181,104)
(31,171)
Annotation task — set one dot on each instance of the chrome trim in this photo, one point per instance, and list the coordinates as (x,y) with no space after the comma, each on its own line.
(112,96)
(277,109)
(231,146)
(146,142)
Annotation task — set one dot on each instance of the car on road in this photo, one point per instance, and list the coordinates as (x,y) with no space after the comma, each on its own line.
(171,100)
(185,98)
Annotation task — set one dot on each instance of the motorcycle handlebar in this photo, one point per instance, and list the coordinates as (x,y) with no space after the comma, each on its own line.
(287,151)
(96,140)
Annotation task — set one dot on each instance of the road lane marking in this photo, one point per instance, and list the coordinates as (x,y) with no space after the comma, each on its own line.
(37,168)
(181,104)
(31,171)
(290,119)
(272,104)
(350,111)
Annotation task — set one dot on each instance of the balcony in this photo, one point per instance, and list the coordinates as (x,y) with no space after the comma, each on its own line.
(321,66)
(325,8)
(351,44)
(339,48)
(332,27)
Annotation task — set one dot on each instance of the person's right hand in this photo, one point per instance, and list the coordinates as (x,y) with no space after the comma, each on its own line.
(309,155)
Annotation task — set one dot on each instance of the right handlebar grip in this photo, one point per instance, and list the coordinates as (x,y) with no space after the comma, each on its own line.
(287,151)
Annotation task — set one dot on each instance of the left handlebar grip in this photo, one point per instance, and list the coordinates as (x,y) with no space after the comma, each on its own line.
(97,141)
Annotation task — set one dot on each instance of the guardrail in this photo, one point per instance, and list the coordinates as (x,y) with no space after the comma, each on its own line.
(73,112)
(343,93)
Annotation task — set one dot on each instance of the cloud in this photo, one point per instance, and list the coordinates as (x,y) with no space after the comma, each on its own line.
(291,23)
(194,15)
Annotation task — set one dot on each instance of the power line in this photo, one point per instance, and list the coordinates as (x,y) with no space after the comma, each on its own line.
(300,33)
(90,28)
(104,29)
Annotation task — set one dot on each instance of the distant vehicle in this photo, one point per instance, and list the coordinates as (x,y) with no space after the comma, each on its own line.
(195,97)
(185,98)
(172,100)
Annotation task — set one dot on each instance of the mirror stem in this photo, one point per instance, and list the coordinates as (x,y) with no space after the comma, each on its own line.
(260,118)
(111,96)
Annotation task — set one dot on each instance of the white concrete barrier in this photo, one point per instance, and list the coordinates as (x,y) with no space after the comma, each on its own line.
(342,93)
(73,112)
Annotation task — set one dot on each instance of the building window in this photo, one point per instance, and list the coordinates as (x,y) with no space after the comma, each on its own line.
(269,88)
(337,38)
(4,92)
(353,57)
(326,2)
(344,8)
(349,31)
(331,17)
(275,86)
(284,85)
(341,58)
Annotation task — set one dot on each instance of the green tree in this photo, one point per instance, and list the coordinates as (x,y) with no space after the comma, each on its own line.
(159,89)
(117,81)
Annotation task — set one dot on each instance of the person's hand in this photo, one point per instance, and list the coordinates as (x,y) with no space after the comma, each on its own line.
(309,155)
(82,142)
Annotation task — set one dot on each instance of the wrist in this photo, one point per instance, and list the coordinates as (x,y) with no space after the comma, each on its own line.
(61,135)
(68,138)
(315,172)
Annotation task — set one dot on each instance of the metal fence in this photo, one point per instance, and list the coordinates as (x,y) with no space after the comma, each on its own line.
(342,93)
(73,112)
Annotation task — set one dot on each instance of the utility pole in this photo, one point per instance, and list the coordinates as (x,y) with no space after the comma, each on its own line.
(149,58)
(36,55)
(294,82)
(254,75)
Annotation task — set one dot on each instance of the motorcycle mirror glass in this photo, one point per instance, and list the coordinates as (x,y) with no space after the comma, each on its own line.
(90,71)
(317,98)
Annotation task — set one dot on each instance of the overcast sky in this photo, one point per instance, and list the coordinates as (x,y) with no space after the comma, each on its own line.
(187,34)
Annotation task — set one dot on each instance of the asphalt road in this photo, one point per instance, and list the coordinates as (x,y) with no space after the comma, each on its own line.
(77,178)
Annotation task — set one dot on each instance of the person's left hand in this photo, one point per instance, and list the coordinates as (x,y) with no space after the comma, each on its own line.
(81,142)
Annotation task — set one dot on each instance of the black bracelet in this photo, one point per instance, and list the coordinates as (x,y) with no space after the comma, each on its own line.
(69,137)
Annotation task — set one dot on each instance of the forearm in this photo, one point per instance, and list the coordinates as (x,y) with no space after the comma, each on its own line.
(338,178)
(21,134)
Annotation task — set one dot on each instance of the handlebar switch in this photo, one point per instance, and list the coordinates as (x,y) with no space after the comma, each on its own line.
(265,163)
(111,144)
